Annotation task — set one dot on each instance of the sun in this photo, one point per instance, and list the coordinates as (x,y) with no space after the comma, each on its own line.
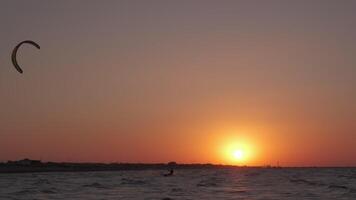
(237,146)
(238,154)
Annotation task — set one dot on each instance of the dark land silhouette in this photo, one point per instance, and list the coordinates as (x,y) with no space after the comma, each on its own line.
(27,165)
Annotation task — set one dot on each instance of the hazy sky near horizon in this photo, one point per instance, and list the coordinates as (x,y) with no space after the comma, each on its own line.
(154,81)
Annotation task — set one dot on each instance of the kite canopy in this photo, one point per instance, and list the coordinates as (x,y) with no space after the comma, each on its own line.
(14,53)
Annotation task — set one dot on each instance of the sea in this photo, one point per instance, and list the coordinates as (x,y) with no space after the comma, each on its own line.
(221,183)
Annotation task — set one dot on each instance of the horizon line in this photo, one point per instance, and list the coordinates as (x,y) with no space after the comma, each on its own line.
(192,163)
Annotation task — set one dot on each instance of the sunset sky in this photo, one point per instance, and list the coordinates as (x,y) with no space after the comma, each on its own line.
(225,82)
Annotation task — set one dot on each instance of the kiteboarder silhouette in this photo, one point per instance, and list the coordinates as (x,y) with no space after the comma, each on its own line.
(170,173)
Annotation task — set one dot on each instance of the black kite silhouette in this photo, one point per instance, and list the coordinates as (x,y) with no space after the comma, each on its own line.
(14,53)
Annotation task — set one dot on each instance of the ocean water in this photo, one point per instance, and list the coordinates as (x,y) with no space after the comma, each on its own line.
(238,183)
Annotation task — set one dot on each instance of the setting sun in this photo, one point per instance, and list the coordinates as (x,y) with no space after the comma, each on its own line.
(238,154)
(237,151)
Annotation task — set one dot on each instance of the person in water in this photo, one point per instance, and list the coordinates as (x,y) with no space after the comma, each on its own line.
(170,173)
(170,166)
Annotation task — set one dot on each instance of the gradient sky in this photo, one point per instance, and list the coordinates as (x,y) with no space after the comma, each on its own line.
(155,81)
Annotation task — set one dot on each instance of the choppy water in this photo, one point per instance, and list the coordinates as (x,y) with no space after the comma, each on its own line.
(244,183)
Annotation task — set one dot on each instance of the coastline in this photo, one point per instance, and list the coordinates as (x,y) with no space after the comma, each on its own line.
(87,167)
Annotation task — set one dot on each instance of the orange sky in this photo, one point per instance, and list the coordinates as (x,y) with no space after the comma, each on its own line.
(126,81)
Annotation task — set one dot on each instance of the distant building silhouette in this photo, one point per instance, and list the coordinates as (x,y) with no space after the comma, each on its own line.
(25,162)
(172,163)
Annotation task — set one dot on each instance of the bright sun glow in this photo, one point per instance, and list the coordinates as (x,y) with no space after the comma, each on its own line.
(237,146)
(238,154)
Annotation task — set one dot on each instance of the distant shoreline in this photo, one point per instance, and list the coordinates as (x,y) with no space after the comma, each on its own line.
(88,167)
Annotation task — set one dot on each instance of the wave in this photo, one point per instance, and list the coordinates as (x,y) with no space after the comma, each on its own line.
(50,191)
(311,183)
(347,176)
(210,182)
(95,185)
(307,182)
(252,174)
(338,187)
(42,182)
(24,192)
(128,181)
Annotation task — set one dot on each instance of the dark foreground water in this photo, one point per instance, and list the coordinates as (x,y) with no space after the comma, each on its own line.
(243,183)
